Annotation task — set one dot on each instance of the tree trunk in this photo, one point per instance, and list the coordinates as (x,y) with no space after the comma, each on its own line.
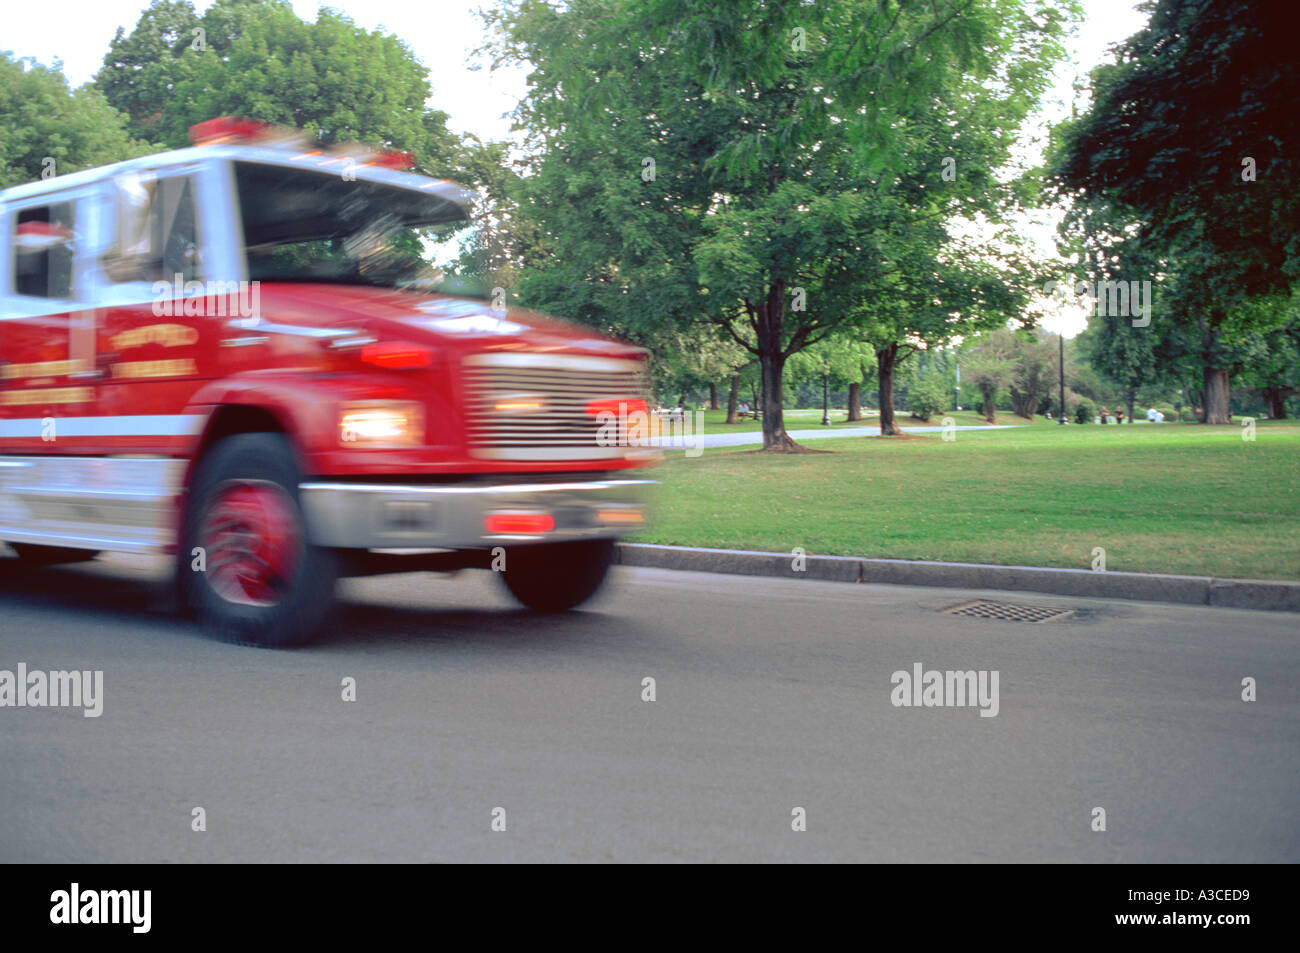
(1216,396)
(1132,396)
(886,361)
(770,319)
(855,401)
(990,405)
(733,398)
(1023,405)
(713,396)
(1276,397)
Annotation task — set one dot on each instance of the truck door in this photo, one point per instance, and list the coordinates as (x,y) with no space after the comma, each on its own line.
(164,310)
(46,316)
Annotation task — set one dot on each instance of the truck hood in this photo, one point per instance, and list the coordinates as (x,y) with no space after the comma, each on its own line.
(447,321)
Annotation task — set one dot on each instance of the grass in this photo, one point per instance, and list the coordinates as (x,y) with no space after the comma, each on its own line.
(1181,498)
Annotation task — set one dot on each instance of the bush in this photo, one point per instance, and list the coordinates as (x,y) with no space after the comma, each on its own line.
(927,398)
(1084,411)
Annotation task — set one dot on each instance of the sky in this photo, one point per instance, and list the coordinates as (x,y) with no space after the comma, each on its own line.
(443,35)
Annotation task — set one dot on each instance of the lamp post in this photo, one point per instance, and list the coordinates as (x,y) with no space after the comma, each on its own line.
(826,398)
(1060,338)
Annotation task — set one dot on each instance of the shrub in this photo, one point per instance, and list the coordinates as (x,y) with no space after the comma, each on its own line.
(1084,411)
(927,398)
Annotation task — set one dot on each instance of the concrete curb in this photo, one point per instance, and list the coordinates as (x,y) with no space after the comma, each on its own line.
(1150,587)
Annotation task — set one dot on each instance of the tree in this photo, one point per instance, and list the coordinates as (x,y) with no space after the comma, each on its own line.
(704,356)
(1122,353)
(934,298)
(1191,140)
(505,242)
(928,396)
(1275,366)
(141,70)
(990,366)
(256,58)
(850,361)
(47,129)
(722,162)
(1033,373)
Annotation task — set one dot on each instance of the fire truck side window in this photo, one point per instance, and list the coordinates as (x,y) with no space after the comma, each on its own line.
(163,242)
(43,251)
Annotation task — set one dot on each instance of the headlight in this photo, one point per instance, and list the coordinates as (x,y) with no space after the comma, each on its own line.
(381,424)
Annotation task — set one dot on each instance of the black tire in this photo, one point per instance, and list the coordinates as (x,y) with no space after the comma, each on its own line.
(302,598)
(37,555)
(555,577)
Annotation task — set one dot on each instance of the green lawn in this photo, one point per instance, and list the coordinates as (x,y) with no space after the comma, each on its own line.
(1180,498)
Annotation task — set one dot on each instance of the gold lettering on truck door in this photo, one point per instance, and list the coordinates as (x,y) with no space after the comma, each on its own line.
(168,335)
(43,369)
(47,395)
(137,369)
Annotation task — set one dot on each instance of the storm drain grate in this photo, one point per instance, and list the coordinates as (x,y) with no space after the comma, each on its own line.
(1009,612)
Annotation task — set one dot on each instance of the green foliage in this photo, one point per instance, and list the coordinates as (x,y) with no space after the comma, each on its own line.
(1273,366)
(1084,411)
(1183,173)
(256,58)
(771,168)
(1034,373)
(928,397)
(1205,86)
(989,367)
(40,119)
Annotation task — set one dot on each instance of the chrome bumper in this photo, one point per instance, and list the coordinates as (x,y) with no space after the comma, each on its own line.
(456,516)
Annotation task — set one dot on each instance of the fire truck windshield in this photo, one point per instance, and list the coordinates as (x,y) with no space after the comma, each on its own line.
(309,225)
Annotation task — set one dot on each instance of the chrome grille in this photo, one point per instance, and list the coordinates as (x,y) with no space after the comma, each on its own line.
(534,406)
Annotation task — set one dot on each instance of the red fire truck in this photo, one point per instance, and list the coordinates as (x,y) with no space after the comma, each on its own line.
(244,355)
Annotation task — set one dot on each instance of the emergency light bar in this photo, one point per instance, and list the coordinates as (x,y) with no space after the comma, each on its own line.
(233,130)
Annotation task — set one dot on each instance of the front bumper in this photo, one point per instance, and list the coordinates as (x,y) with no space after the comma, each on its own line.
(456,516)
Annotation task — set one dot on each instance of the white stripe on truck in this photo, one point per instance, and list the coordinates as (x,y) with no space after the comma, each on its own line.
(142,425)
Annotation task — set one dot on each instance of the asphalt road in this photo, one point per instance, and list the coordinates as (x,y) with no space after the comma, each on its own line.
(771,695)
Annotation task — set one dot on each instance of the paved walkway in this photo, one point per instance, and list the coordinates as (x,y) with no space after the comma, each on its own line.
(713,440)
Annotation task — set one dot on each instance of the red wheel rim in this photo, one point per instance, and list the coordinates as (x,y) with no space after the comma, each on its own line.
(252,540)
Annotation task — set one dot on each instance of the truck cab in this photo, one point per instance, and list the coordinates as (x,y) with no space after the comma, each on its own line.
(255,356)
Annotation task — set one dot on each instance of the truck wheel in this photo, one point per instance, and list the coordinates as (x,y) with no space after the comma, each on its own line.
(557,576)
(37,555)
(246,566)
